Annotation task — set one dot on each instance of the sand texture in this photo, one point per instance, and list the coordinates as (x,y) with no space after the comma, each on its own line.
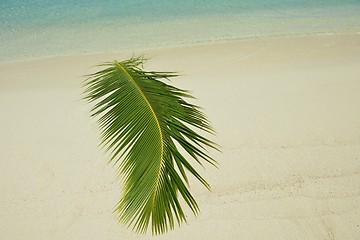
(287,113)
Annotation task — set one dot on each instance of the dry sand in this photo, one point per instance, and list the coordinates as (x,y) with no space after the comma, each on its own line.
(287,113)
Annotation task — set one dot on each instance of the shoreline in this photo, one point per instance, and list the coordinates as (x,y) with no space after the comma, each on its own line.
(190,44)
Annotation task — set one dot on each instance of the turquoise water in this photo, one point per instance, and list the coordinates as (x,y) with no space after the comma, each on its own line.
(39,28)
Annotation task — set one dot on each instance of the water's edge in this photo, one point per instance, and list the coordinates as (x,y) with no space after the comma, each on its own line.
(45,28)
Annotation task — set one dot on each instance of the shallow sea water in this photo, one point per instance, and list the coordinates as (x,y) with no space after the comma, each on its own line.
(40,28)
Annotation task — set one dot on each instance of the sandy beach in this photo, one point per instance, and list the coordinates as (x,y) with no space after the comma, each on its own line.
(287,114)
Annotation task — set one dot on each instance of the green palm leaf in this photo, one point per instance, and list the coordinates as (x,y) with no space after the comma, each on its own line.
(141,118)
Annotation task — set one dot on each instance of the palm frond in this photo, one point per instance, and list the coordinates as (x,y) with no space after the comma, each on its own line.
(141,118)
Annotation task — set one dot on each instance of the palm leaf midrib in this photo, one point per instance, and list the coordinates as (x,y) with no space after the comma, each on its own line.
(132,81)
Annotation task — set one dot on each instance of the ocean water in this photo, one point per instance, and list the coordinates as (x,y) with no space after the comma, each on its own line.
(41,28)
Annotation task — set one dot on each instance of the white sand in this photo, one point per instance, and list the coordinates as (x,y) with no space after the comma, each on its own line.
(287,112)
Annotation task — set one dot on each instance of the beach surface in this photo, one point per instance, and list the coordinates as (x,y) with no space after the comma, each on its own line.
(287,115)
